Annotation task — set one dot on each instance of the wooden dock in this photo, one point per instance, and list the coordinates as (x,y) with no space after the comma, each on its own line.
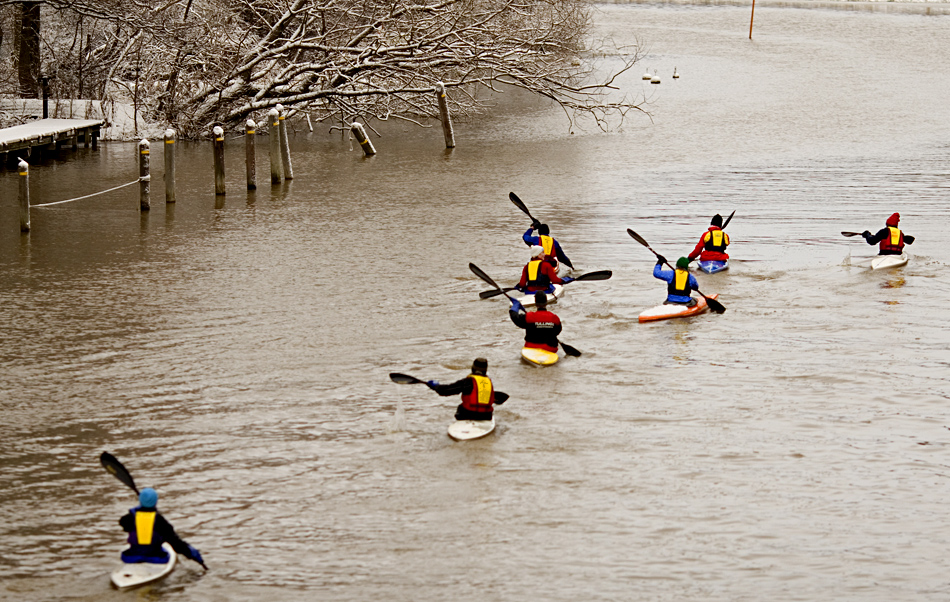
(48,134)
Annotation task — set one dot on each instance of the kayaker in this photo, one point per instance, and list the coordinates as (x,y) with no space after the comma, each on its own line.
(552,249)
(538,274)
(541,326)
(890,237)
(148,529)
(680,282)
(712,244)
(478,393)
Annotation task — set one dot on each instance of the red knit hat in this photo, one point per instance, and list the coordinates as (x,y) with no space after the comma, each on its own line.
(892,220)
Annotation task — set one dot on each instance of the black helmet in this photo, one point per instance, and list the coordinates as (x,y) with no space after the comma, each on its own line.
(716,221)
(540,299)
(480,365)
(543,230)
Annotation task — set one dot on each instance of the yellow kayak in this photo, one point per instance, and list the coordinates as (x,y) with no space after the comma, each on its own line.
(538,357)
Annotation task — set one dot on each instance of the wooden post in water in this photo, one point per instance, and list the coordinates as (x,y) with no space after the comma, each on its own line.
(24,169)
(751,18)
(218,134)
(273,130)
(169,166)
(447,129)
(250,132)
(360,134)
(144,177)
(284,145)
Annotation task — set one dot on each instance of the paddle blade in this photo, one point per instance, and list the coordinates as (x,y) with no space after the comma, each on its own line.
(405,379)
(601,275)
(570,350)
(478,272)
(728,219)
(110,463)
(514,199)
(714,305)
(850,234)
(638,238)
(494,293)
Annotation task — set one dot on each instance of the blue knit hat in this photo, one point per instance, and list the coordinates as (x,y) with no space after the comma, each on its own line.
(148,498)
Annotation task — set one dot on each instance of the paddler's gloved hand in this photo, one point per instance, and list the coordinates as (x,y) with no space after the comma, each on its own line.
(566,279)
(516,305)
(867,234)
(534,224)
(660,259)
(432,383)
(195,555)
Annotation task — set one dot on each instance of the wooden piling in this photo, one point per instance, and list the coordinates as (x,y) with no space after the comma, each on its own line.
(218,134)
(24,169)
(360,134)
(169,166)
(144,177)
(447,129)
(284,145)
(250,132)
(273,129)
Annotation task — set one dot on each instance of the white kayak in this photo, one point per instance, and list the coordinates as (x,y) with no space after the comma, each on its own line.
(889,261)
(528,299)
(140,573)
(463,430)
(538,357)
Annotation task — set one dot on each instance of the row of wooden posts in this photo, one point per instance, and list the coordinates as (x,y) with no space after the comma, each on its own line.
(281,167)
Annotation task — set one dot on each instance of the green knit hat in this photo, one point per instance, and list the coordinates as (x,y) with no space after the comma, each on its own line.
(682,263)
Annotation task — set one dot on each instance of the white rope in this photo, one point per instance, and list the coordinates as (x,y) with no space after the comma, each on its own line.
(79,198)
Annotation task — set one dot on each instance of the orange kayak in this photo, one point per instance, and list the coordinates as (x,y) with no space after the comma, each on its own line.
(665,312)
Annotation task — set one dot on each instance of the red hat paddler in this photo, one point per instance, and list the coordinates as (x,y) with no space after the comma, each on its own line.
(892,220)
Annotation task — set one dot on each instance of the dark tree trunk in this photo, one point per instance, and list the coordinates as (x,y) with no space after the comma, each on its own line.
(29,60)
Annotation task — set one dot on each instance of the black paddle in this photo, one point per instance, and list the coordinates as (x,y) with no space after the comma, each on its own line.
(849,234)
(405,379)
(478,272)
(728,219)
(520,205)
(112,464)
(600,275)
(714,305)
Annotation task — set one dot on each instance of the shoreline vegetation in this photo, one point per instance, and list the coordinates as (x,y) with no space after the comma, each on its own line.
(222,67)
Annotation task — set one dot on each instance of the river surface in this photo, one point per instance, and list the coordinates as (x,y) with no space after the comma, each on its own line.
(234,353)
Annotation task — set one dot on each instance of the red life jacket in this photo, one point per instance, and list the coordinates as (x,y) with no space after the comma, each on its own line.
(482,396)
(894,243)
(543,328)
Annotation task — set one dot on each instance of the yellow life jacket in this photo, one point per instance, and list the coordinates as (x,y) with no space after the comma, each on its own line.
(534,268)
(144,526)
(483,384)
(680,284)
(547,243)
(716,240)
(895,235)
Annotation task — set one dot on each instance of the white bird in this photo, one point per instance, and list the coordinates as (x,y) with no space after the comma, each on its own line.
(675,74)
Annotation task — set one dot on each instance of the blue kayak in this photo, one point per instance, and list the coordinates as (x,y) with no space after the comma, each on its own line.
(711,267)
